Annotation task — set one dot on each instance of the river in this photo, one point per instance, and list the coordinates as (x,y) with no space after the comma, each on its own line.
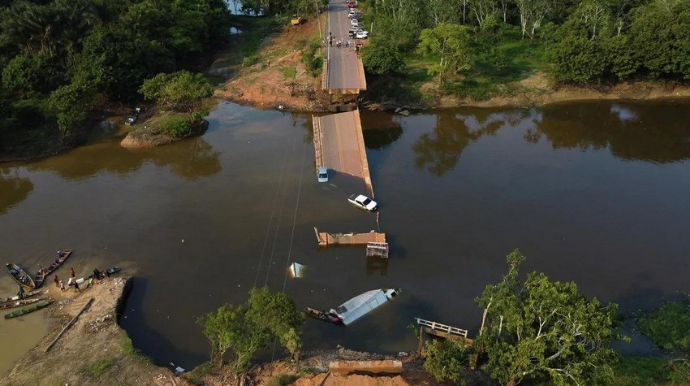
(591,192)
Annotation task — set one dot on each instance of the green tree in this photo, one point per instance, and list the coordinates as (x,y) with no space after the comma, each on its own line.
(181,90)
(451,42)
(445,359)
(381,59)
(276,313)
(70,103)
(543,329)
(242,330)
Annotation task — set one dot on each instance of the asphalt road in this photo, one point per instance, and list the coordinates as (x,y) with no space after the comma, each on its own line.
(340,144)
(343,70)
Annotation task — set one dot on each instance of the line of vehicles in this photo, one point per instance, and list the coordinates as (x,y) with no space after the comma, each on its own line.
(355,31)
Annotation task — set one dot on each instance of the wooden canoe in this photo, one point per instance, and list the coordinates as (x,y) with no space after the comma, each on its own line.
(322,315)
(29,309)
(13,299)
(19,275)
(40,278)
(19,303)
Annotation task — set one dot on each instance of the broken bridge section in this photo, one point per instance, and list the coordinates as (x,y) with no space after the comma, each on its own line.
(339,145)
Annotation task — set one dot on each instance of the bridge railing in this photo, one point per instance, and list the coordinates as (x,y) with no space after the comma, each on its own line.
(442,327)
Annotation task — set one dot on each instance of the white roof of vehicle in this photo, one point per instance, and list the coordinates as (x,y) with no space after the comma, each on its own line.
(362,304)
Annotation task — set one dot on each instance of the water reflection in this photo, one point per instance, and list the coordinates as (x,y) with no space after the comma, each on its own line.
(13,188)
(382,130)
(191,159)
(439,151)
(649,132)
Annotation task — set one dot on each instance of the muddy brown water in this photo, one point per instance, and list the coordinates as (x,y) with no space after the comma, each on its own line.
(591,192)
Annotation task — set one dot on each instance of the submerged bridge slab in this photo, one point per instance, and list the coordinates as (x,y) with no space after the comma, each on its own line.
(339,145)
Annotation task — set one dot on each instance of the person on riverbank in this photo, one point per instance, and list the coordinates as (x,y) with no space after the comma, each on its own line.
(20,293)
(56,281)
(71,272)
(62,286)
(76,287)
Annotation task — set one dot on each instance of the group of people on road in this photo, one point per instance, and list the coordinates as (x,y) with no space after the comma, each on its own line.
(338,43)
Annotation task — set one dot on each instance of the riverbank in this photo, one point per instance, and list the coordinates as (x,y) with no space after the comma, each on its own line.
(93,350)
(275,75)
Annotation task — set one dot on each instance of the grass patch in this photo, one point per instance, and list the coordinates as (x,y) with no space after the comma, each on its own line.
(290,73)
(248,43)
(99,367)
(641,371)
(668,326)
(282,380)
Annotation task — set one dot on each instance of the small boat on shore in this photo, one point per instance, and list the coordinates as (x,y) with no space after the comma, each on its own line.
(18,303)
(30,309)
(19,275)
(322,315)
(40,277)
(361,305)
(102,274)
(27,295)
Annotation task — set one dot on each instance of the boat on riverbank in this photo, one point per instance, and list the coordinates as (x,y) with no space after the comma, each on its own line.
(18,303)
(362,304)
(30,309)
(12,299)
(323,315)
(40,278)
(19,275)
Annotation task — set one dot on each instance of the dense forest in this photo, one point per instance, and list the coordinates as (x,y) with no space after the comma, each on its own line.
(584,42)
(59,59)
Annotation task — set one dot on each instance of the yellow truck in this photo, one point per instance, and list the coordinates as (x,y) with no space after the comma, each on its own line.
(296,20)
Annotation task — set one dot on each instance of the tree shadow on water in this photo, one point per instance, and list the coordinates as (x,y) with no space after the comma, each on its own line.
(14,190)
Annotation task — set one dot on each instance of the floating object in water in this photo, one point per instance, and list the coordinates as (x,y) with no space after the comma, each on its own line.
(296,270)
(361,305)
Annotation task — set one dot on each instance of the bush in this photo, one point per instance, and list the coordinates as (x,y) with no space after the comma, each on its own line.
(668,326)
(177,127)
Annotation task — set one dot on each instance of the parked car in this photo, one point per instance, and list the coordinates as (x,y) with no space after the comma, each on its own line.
(130,120)
(322,174)
(352,15)
(361,34)
(354,22)
(363,202)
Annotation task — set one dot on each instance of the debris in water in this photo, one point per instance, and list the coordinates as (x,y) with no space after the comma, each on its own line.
(296,270)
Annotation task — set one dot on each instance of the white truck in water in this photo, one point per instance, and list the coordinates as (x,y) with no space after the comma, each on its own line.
(363,202)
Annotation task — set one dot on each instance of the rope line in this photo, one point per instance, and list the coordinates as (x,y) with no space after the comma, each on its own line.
(275,234)
(270,220)
(294,217)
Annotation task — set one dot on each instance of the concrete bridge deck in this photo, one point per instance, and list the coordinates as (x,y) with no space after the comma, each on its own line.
(339,145)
